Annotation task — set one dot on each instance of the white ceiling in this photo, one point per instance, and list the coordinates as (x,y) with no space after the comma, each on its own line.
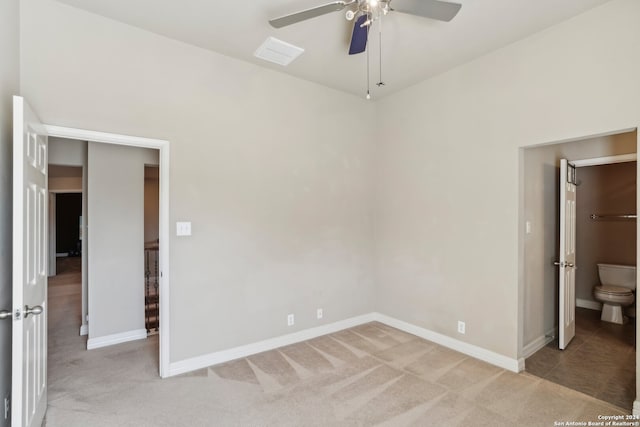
(414,48)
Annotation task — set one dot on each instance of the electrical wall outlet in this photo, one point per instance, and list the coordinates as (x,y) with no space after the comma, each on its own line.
(290,320)
(319,313)
(461,327)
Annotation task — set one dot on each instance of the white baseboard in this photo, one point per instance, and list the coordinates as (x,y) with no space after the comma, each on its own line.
(636,407)
(84,330)
(199,362)
(587,303)
(539,342)
(488,356)
(108,340)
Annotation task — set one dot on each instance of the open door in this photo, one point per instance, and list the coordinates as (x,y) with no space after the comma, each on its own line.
(29,352)
(567,300)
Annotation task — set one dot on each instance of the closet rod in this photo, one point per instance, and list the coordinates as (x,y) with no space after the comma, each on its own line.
(630,216)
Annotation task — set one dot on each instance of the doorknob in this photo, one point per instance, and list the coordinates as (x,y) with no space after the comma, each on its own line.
(5,314)
(35,310)
(564,264)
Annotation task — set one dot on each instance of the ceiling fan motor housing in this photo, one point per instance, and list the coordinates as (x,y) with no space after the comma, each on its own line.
(373,7)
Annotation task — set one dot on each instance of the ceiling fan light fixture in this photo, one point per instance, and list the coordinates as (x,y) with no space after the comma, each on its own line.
(368,12)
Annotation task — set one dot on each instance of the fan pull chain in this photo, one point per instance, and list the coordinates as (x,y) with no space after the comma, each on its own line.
(380,82)
(368,84)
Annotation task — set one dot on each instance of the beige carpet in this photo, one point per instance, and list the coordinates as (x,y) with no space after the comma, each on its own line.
(368,375)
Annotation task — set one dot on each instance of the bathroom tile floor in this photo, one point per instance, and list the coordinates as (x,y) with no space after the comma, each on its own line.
(600,361)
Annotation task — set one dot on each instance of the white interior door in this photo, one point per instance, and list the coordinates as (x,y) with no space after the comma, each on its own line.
(567,300)
(29,353)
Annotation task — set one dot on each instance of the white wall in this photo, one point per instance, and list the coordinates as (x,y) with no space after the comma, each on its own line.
(448,205)
(274,172)
(116,239)
(67,152)
(9,86)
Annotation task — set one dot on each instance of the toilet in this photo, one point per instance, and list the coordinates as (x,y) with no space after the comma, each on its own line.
(617,285)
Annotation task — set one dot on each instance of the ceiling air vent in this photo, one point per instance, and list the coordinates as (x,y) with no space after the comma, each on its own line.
(277,51)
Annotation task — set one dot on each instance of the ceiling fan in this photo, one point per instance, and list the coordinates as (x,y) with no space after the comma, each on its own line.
(366,12)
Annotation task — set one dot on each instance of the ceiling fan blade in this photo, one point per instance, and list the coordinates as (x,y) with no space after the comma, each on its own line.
(433,9)
(359,36)
(283,21)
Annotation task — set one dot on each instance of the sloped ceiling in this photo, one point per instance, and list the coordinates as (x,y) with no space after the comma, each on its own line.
(413,48)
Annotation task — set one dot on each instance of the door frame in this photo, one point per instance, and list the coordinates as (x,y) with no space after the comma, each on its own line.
(164,236)
(522,349)
(608,160)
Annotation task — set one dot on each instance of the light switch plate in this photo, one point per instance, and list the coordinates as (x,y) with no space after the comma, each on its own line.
(183,228)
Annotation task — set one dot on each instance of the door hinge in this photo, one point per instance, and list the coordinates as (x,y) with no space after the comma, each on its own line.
(7,407)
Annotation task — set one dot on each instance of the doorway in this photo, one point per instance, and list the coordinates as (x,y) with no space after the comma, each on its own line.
(65,272)
(162,148)
(68,223)
(125,215)
(610,375)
